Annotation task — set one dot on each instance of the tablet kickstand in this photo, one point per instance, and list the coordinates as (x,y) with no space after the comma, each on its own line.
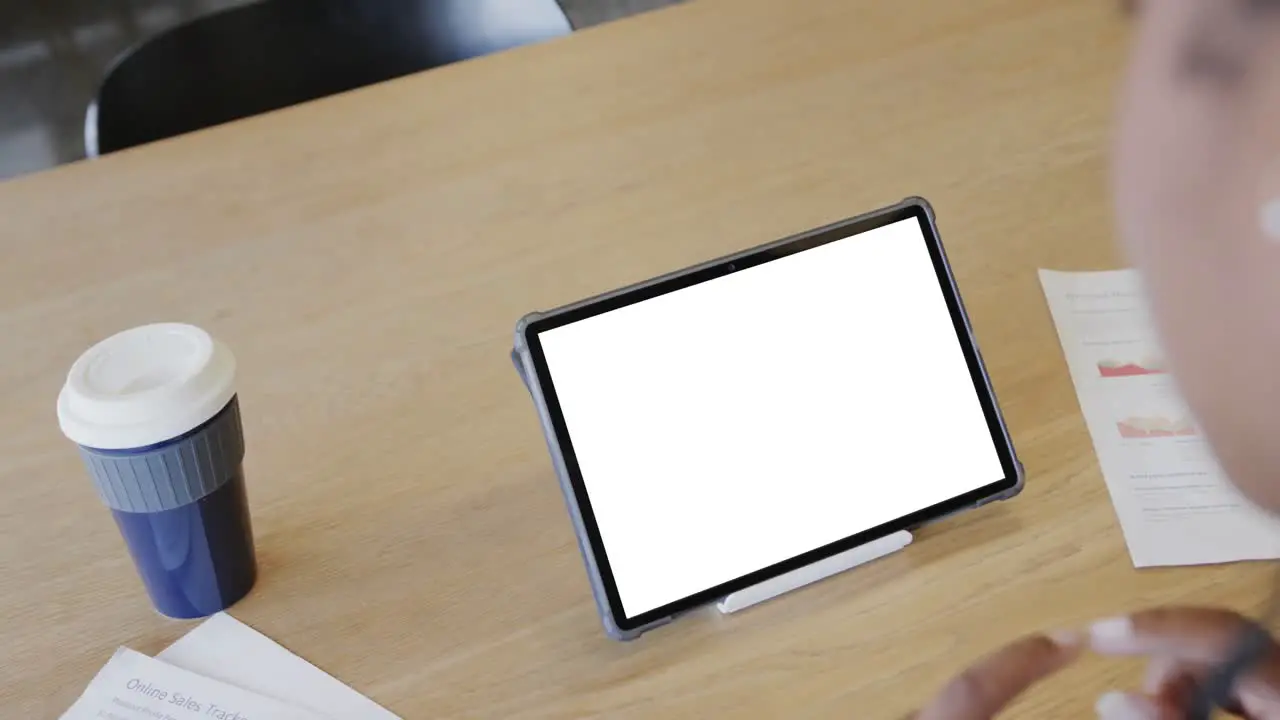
(810,574)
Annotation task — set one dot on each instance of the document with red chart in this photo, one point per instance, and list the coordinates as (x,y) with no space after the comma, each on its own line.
(1174,503)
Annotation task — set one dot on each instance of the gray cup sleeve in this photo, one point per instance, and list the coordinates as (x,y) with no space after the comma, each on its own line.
(174,474)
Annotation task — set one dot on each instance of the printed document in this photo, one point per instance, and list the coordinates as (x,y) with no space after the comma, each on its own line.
(223,648)
(133,686)
(1174,503)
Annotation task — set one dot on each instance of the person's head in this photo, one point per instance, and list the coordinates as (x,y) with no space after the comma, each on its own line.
(1196,165)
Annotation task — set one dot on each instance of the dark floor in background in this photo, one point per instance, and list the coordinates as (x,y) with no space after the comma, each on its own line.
(53,53)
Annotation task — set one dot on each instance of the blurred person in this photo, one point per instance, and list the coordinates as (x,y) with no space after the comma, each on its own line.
(1196,185)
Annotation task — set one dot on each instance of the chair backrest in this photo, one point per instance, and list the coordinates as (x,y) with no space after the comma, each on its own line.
(275,53)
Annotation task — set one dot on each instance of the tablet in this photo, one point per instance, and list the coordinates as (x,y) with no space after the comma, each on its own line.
(733,421)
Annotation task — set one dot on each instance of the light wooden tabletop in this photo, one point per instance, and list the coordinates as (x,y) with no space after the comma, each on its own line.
(367,257)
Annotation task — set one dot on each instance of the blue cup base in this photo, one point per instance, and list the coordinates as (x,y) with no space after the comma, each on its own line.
(197,559)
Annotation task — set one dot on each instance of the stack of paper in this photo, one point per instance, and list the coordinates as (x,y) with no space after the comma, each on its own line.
(222,670)
(1175,505)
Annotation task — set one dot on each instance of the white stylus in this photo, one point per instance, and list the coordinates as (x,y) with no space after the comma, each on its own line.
(808,574)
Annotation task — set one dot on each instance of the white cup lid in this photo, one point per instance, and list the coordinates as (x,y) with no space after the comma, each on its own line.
(144,386)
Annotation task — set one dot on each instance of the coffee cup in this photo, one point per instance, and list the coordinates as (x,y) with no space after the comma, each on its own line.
(156,417)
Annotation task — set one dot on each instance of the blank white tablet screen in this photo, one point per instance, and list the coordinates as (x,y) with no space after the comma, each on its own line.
(737,423)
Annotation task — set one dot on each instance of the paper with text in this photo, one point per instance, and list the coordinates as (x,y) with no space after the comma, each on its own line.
(226,649)
(1174,503)
(133,686)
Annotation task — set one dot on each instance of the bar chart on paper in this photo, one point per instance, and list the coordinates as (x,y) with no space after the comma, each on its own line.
(1173,500)
(1113,368)
(1141,428)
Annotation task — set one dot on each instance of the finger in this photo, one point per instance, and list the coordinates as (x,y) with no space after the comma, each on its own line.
(986,687)
(1131,706)
(1160,671)
(1191,635)
(1184,644)
(1174,683)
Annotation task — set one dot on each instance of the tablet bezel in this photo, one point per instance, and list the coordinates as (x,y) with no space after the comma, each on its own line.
(911,209)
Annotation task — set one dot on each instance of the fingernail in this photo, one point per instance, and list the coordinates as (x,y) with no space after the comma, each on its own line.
(1112,635)
(1067,639)
(1123,706)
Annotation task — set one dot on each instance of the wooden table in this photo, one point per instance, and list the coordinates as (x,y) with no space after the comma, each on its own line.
(367,257)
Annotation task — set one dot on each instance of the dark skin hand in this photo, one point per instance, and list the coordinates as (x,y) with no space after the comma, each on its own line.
(986,687)
(1180,645)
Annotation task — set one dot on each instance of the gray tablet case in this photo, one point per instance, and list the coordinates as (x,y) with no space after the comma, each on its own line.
(571,501)
(524,366)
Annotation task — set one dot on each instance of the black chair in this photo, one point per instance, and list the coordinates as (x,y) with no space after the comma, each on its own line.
(275,53)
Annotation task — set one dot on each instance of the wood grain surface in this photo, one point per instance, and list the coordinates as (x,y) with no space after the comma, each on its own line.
(368,255)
